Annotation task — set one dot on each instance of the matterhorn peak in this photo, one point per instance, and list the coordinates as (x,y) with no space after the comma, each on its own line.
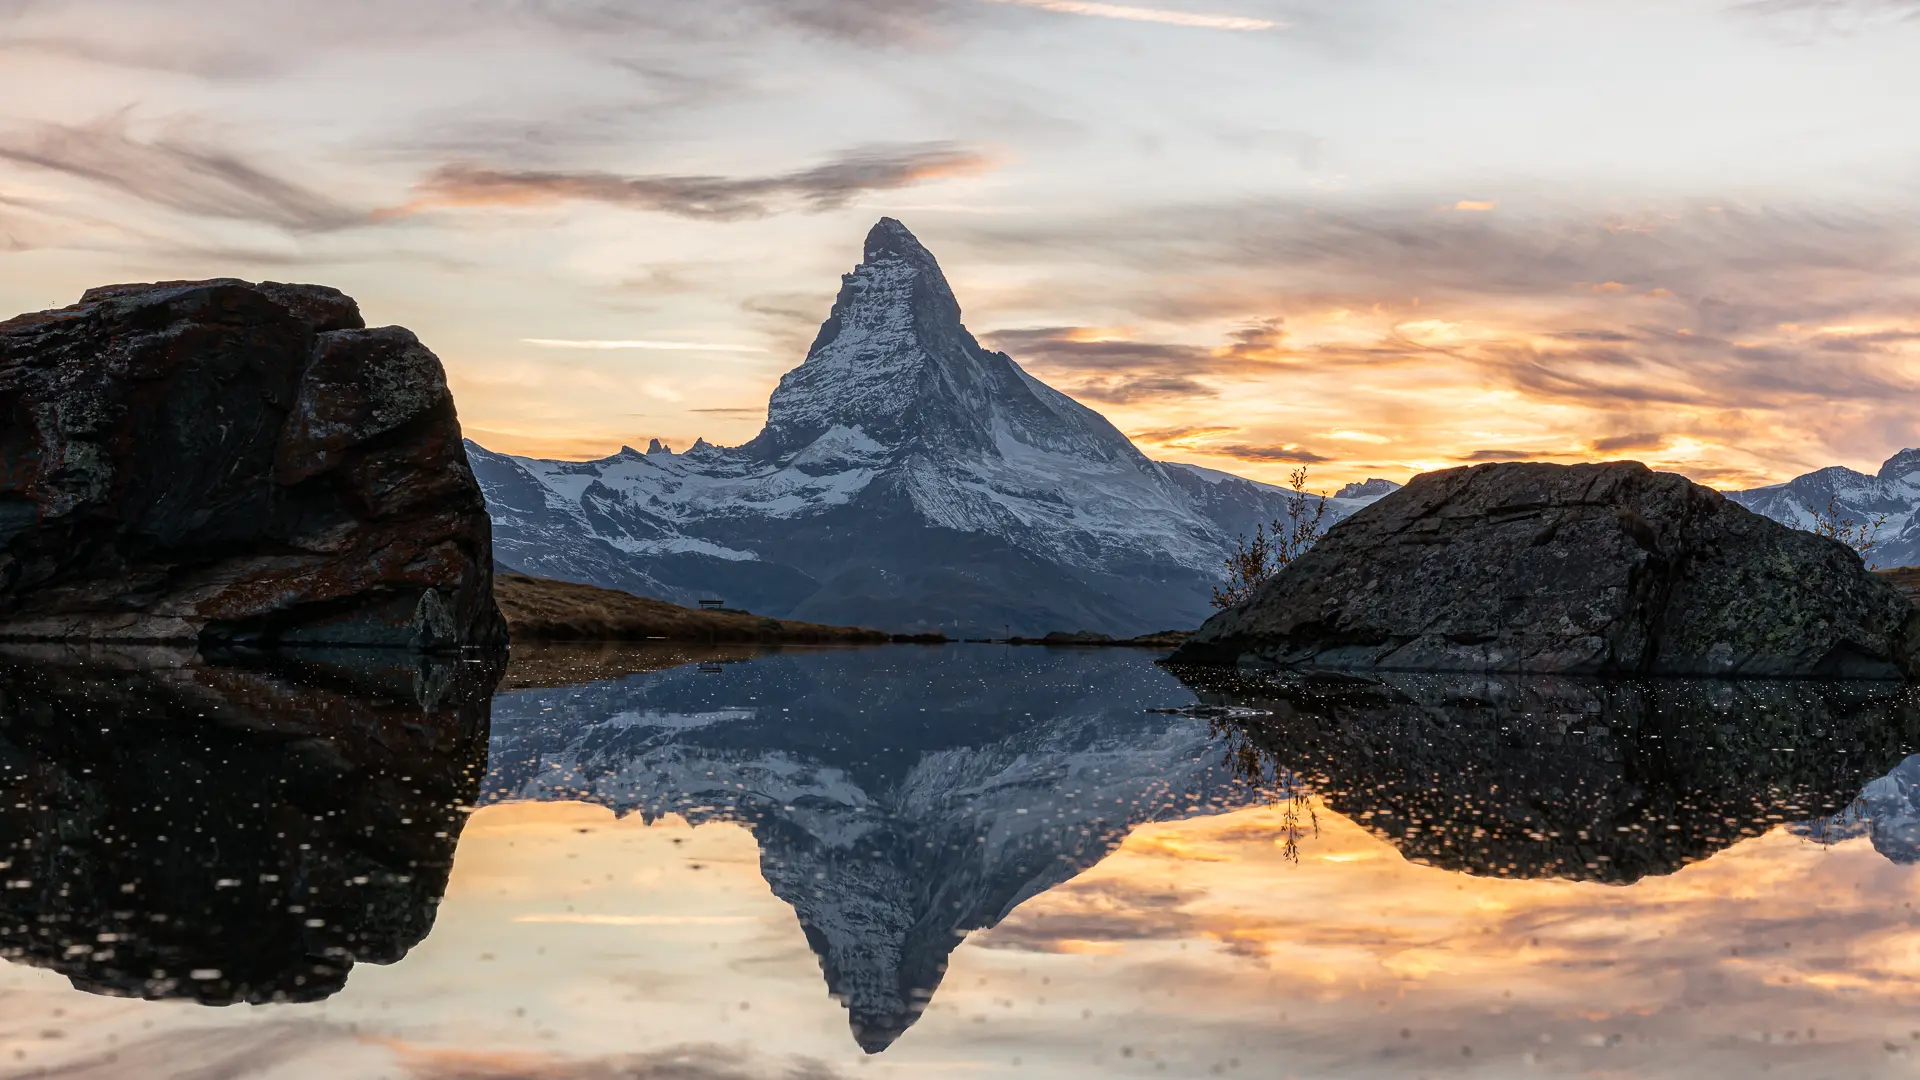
(890,239)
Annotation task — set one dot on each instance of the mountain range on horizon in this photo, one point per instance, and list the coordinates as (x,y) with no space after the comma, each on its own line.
(911,480)
(906,479)
(1887,504)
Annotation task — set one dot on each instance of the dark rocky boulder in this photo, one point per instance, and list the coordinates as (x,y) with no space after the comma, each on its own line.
(1573,569)
(234,463)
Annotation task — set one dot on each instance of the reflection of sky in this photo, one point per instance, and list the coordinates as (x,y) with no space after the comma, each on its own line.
(574,946)
(1385,235)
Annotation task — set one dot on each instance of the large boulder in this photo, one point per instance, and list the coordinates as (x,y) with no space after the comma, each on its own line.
(1573,569)
(235,463)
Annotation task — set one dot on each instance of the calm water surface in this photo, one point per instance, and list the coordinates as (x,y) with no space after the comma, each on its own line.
(969,860)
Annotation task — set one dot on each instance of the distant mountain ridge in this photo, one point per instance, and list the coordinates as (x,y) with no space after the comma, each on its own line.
(1893,493)
(906,479)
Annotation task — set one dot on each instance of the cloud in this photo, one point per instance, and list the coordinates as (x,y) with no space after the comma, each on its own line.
(1145,14)
(1639,440)
(1762,340)
(1086,364)
(829,186)
(660,346)
(1083,348)
(1164,436)
(1126,390)
(1293,455)
(1805,20)
(1506,454)
(176,174)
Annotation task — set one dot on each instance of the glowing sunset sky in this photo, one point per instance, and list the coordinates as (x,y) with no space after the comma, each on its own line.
(1377,236)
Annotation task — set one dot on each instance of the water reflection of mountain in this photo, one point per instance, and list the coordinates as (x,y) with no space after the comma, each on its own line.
(1589,780)
(171,829)
(1887,813)
(900,797)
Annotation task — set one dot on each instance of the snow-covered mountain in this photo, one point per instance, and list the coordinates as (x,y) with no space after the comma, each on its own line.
(1892,494)
(900,801)
(907,479)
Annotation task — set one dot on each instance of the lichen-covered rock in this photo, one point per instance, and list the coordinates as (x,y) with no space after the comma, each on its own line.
(1574,569)
(228,462)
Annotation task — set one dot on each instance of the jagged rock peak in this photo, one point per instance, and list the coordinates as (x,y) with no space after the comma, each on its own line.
(890,239)
(655,446)
(1901,465)
(1374,488)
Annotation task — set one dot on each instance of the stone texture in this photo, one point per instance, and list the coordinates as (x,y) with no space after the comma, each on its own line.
(232,462)
(1573,569)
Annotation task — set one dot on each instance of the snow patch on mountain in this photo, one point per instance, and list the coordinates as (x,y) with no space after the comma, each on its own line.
(1887,504)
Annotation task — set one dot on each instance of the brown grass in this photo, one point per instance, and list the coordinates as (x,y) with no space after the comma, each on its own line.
(1906,579)
(539,609)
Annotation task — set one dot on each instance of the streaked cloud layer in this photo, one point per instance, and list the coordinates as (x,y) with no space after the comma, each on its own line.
(1146,14)
(1375,238)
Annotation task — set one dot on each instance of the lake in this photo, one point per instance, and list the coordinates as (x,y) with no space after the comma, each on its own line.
(723,864)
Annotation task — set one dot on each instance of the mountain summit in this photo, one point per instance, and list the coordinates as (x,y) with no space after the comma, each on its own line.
(907,478)
(894,361)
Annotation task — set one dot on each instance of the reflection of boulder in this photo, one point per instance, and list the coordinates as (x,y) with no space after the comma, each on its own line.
(901,798)
(1570,569)
(1549,777)
(175,830)
(224,461)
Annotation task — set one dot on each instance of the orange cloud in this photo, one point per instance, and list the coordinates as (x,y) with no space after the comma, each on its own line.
(828,186)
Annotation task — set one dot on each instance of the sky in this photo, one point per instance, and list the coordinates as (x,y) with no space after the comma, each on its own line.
(1376,237)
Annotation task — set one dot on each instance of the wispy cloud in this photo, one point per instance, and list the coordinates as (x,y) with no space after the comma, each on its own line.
(662,346)
(1639,440)
(1294,455)
(824,187)
(177,174)
(1153,15)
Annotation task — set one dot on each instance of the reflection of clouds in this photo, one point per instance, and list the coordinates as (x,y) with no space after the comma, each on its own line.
(1775,952)
(695,1061)
(1196,945)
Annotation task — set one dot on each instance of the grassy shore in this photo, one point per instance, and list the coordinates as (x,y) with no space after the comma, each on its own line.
(540,609)
(1906,579)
